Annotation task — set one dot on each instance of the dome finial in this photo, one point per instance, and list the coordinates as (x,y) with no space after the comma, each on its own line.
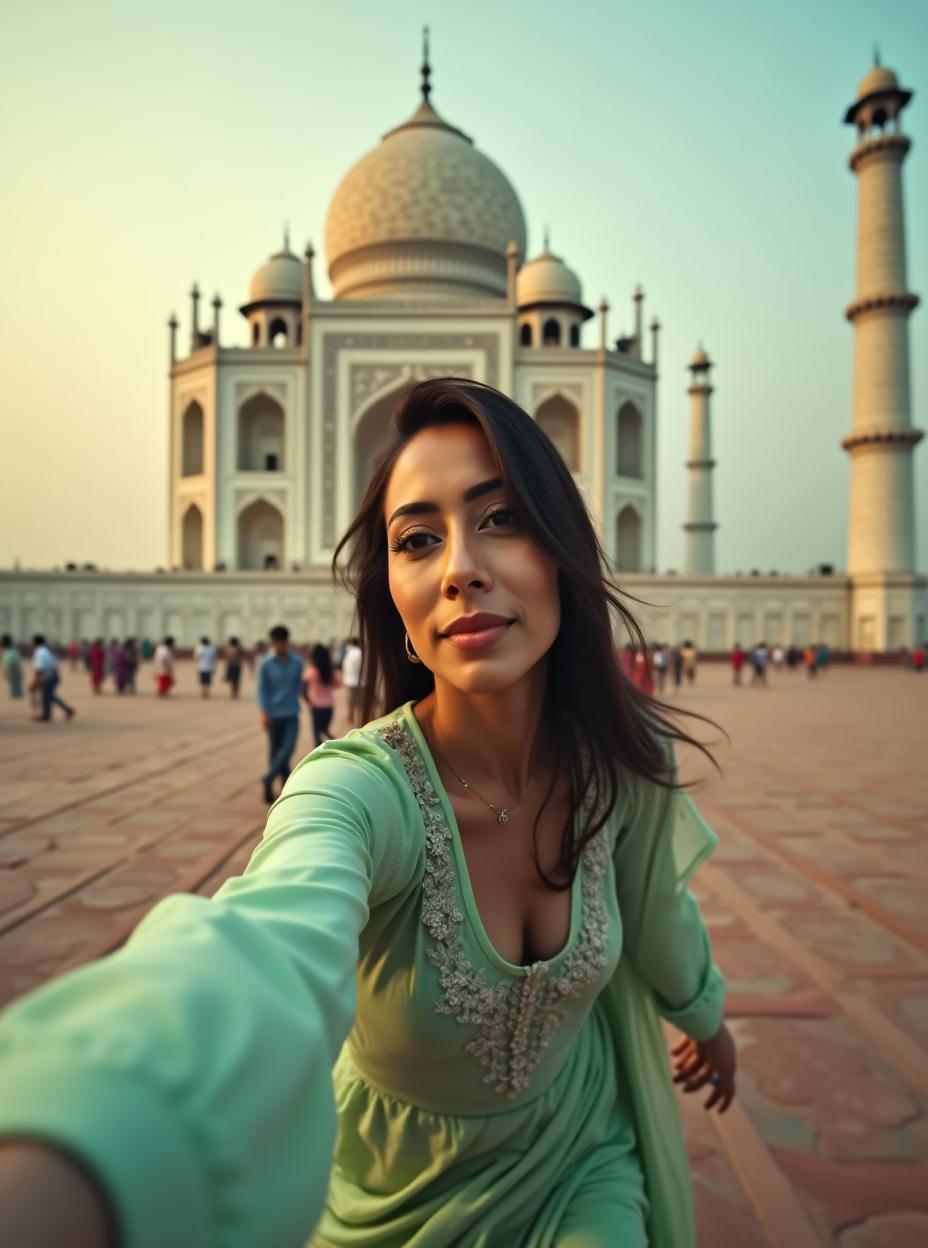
(547,238)
(426,68)
(876,53)
(286,236)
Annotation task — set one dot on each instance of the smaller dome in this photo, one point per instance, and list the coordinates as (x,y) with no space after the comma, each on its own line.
(547,279)
(280,279)
(878,79)
(700,359)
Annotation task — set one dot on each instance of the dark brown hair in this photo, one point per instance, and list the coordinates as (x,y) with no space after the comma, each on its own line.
(602,724)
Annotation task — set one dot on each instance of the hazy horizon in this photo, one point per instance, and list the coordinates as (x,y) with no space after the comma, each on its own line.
(694,148)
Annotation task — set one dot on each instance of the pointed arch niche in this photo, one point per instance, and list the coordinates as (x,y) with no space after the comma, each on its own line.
(628,540)
(261,435)
(191,530)
(630,439)
(371,438)
(260,537)
(191,442)
(560,420)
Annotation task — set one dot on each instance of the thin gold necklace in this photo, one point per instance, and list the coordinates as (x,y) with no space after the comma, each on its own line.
(502,813)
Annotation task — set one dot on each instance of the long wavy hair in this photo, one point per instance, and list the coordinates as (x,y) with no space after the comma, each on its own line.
(602,724)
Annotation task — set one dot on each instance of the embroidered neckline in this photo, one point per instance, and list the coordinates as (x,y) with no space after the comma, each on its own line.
(516,1018)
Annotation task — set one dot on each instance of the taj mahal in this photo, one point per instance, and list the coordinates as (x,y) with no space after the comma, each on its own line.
(272,444)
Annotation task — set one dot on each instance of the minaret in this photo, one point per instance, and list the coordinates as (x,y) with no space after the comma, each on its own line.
(881,522)
(699,558)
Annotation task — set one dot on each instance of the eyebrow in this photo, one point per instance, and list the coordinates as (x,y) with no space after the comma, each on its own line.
(472,492)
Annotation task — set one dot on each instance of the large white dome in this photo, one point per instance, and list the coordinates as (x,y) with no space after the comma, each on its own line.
(422,215)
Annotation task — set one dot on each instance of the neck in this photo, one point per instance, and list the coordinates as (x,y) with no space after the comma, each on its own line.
(495,740)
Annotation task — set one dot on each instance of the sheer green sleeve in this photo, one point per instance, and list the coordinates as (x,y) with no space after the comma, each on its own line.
(191,1070)
(661,840)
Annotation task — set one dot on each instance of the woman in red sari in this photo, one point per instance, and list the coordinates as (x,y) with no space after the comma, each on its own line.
(97,660)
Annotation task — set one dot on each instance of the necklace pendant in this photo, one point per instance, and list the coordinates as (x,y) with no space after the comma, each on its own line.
(503,816)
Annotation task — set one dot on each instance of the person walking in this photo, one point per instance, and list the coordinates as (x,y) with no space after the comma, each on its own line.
(320,680)
(96,662)
(759,663)
(74,654)
(351,677)
(688,652)
(12,666)
(919,656)
(737,663)
(47,679)
(778,657)
(660,661)
(422,1015)
(643,677)
(810,660)
(130,655)
(280,678)
(233,673)
(204,655)
(822,657)
(120,666)
(163,665)
(676,667)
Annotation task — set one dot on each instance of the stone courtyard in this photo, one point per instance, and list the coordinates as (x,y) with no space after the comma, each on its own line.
(815,900)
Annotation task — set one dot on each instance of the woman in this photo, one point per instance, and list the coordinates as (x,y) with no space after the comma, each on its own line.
(483,892)
(97,662)
(163,665)
(12,665)
(233,672)
(320,680)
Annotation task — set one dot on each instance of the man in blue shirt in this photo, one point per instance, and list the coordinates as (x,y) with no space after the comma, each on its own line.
(280,684)
(47,679)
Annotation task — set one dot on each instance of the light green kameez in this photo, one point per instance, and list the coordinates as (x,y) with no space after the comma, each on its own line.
(478,1103)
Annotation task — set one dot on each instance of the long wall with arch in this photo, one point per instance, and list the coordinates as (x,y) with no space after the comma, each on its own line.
(712,611)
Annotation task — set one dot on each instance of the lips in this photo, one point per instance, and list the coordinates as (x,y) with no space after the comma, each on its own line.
(477,632)
(476,623)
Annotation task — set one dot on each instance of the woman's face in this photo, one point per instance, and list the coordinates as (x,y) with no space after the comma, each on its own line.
(457,551)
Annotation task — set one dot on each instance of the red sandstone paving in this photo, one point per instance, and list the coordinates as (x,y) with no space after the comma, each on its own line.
(815,902)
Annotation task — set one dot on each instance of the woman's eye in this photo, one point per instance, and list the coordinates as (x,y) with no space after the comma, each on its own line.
(502,517)
(417,539)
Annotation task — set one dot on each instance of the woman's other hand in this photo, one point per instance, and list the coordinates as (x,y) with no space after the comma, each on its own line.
(697,1061)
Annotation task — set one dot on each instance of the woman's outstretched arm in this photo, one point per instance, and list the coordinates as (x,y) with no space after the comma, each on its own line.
(190,1072)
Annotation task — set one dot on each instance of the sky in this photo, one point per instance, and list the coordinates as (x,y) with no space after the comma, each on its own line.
(692,146)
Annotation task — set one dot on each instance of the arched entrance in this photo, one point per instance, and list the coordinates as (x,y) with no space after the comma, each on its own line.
(560,420)
(191,444)
(629,462)
(371,436)
(191,527)
(628,540)
(260,537)
(261,435)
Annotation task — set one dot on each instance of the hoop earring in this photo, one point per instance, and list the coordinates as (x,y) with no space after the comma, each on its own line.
(410,653)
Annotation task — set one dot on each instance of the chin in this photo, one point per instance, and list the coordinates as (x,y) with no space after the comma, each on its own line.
(484,676)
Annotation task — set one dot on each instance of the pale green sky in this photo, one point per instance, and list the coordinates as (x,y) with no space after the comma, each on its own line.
(694,147)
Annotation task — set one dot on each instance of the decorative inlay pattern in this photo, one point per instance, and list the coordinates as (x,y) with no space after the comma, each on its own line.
(515,1018)
(544,389)
(334,343)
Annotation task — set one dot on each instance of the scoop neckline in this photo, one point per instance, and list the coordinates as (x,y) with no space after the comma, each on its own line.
(463,874)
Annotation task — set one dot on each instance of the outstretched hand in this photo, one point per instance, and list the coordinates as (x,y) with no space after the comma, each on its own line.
(695,1061)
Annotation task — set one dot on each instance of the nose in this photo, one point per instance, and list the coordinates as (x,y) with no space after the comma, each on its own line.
(463,570)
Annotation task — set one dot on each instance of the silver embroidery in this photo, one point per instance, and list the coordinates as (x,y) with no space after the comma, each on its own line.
(515,1019)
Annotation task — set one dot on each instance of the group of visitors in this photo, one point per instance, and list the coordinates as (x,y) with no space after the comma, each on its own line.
(284,680)
(649,670)
(813,658)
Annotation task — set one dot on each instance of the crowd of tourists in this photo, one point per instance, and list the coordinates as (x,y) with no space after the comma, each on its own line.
(811,658)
